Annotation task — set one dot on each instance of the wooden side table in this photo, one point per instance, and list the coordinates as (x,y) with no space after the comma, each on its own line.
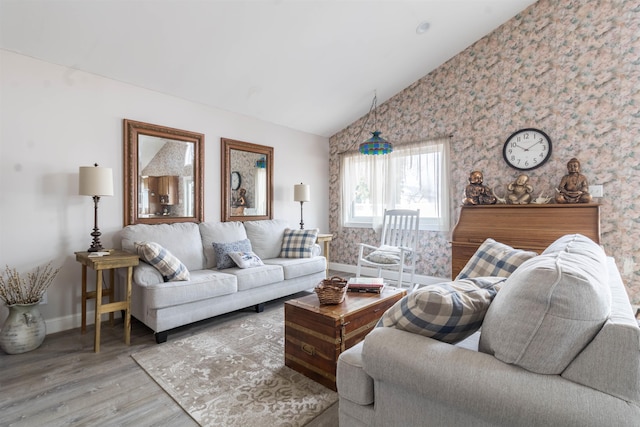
(116,259)
(325,239)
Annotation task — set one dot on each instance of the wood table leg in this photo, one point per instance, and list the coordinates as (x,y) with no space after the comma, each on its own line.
(112,290)
(96,346)
(127,316)
(83,327)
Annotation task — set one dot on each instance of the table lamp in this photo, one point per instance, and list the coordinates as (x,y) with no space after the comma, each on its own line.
(95,181)
(301,193)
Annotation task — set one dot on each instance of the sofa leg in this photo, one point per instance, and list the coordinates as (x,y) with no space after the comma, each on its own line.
(161,337)
(260,307)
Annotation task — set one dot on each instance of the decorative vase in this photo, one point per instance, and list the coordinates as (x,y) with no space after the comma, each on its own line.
(24,330)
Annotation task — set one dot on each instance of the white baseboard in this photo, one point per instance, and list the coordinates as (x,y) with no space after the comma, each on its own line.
(367,271)
(72,321)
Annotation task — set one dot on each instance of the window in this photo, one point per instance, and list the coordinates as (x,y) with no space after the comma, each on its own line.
(414,176)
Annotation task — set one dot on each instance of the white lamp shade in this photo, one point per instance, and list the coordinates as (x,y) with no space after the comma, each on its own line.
(95,181)
(301,193)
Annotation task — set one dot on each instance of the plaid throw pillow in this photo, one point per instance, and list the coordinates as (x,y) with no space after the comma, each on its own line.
(298,243)
(494,259)
(164,261)
(448,312)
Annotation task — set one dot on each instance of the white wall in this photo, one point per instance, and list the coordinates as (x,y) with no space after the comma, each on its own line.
(54,119)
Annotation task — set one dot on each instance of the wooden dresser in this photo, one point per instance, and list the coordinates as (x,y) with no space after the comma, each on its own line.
(531,227)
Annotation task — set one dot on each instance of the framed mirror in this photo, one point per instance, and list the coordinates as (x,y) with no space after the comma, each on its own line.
(247,180)
(163,174)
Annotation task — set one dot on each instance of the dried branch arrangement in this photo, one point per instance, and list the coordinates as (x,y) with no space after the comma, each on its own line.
(16,290)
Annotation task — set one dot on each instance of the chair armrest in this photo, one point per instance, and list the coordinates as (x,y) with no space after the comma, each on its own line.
(481,385)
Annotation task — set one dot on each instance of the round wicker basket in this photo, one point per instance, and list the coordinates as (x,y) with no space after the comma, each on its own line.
(331,291)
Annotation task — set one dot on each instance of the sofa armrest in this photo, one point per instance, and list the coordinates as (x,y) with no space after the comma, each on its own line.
(146,275)
(481,385)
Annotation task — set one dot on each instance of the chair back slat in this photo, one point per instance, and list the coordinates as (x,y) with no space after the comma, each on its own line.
(400,227)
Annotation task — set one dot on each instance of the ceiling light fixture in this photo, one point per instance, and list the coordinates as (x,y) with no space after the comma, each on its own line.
(376,144)
(422,27)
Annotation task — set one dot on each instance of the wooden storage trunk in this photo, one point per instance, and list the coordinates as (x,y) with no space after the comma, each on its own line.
(315,334)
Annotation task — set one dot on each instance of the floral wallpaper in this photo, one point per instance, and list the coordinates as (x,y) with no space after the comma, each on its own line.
(569,68)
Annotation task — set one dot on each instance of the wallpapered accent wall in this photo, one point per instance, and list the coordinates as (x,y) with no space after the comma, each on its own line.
(570,68)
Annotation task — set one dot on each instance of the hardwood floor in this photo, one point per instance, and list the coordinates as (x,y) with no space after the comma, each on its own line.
(64,383)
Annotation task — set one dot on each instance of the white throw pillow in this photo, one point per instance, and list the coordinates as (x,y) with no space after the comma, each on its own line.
(246,259)
(550,307)
(168,265)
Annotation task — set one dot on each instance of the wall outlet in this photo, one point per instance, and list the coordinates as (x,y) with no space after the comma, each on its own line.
(596,190)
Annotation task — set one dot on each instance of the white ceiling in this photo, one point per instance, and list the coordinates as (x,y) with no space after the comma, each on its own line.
(308,65)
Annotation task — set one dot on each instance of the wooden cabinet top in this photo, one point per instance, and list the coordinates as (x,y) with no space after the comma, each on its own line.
(532,227)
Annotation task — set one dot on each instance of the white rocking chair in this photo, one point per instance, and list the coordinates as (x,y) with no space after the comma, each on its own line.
(397,245)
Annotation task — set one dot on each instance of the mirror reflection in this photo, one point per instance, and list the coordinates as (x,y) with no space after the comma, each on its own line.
(246,180)
(165,181)
(163,170)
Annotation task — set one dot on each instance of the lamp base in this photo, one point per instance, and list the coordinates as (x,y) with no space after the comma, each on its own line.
(301,222)
(96,246)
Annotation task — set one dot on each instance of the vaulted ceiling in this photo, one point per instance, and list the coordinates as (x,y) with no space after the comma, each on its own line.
(307,65)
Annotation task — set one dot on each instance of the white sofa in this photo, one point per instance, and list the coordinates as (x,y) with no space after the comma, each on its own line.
(209,292)
(577,369)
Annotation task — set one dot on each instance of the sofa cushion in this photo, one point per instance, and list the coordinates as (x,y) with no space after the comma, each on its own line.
(299,267)
(204,284)
(494,259)
(266,236)
(298,243)
(181,239)
(251,278)
(353,381)
(221,232)
(448,312)
(550,308)
(222,250)
(246,259)
(168,265)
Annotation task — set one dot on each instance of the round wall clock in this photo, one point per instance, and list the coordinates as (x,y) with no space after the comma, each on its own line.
(527,149)
(235,180)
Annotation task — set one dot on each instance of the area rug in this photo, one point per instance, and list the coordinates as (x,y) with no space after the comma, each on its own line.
(233,374)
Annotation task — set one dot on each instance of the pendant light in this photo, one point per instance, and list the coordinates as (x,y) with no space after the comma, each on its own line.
(376,144)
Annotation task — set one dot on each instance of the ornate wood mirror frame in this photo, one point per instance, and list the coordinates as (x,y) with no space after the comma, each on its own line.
(163,174)
(247,181)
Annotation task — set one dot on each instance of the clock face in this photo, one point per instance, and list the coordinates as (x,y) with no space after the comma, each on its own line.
(527,149)
(235,180)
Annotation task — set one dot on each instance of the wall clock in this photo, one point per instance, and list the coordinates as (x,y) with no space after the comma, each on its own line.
(527,149)
(235,180)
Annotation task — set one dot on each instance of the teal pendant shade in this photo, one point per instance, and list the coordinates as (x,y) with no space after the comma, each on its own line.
(376,145)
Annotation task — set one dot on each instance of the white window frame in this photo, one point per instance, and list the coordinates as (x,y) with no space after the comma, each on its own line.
(384,179)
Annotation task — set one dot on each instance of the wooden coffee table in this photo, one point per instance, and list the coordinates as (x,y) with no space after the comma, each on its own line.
(315,334)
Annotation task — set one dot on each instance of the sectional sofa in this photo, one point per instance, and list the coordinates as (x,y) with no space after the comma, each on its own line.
(290,258)
(558,346)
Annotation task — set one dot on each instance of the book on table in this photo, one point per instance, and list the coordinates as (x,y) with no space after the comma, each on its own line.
(365,284)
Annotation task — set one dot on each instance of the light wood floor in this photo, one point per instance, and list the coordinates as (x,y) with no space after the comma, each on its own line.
(64,383)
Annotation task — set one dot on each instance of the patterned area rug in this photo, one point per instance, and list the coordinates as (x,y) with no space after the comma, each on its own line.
(234,375)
